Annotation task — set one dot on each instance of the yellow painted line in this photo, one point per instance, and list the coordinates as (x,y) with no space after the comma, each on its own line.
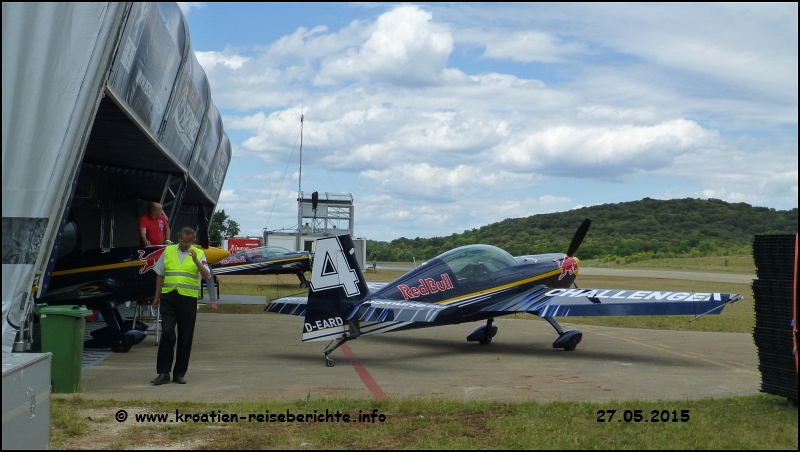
(494,289)
(685,355)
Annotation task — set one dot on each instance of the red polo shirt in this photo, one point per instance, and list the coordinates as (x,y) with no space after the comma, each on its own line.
(154,229)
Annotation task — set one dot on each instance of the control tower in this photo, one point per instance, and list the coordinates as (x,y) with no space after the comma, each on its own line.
(324,214)
(320,215)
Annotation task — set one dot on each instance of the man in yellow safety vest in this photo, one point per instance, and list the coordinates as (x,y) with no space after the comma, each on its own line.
(177,289)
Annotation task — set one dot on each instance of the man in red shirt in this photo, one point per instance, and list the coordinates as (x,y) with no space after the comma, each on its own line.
(153,226)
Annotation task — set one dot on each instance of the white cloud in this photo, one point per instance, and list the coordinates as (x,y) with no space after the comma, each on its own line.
(437,183)
(209,60)
(404,48)
(226,195)
(738,173)
(531,46)
(402,217)
(603,152)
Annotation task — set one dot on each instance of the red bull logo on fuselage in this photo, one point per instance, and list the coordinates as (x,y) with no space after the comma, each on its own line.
(426,286)
(568,265)
(233,260)
(149,260)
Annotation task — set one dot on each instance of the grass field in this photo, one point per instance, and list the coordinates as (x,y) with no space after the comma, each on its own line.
(715,264)
(754,422)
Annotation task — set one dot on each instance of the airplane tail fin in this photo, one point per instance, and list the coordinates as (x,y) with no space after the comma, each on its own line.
(337,282)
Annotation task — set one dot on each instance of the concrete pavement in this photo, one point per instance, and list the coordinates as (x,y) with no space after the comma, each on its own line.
(239,357)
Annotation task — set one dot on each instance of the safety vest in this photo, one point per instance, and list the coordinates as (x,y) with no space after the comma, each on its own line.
(186,277)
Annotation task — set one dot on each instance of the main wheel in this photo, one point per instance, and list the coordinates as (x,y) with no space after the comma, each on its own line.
(486,340)
(329,361)
(570,347)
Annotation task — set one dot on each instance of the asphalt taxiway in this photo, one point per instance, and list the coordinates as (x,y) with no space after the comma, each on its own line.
(239,357)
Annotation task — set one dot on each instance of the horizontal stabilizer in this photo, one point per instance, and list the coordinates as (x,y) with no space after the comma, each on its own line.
(395,311)
(289,305)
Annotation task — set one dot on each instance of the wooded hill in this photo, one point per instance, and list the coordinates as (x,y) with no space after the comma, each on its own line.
(649,228)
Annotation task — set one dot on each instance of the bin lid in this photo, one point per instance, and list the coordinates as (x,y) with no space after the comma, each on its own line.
(74,311)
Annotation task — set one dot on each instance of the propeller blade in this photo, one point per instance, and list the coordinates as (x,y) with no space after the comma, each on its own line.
(580,234)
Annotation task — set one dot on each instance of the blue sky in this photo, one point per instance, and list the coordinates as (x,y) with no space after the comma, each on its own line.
(444,117)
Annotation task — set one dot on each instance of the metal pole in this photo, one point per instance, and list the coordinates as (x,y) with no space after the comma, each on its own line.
(300,180)
(299,189)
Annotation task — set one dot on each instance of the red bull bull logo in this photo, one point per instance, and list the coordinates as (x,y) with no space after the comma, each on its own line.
(149,260)
(568,265)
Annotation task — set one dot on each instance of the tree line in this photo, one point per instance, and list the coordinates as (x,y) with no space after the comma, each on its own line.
(648,228)
(221,226)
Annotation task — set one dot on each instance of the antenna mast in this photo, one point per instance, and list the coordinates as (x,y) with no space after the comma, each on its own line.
(300,180)
(299,187)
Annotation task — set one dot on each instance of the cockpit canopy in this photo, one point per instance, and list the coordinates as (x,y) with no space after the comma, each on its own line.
(266,252)
(473,261)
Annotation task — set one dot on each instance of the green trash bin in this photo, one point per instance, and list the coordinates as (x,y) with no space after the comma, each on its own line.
(62,335)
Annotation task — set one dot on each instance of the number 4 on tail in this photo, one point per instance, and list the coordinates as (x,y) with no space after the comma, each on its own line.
(332,268)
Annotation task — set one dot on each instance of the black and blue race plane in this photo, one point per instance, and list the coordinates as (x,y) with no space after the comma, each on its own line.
(467,284)
(266,260)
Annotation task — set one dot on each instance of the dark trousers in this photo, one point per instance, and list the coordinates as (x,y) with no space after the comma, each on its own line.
(181,311)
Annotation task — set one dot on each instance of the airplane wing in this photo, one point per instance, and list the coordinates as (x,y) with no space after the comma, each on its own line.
(394,311)
(547,302)
(289,305)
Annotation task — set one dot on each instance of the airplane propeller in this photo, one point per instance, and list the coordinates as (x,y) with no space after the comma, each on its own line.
(577,239)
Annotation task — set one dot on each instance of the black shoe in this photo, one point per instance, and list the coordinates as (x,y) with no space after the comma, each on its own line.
(179,380)
(160,379)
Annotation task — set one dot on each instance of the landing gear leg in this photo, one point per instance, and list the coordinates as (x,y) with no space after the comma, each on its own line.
(303,283)
(567,340)
(354,332)
(488,338)
(330,362)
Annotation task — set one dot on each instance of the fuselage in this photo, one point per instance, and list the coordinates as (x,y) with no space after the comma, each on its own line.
(119,274)
(475,285)
(264,260)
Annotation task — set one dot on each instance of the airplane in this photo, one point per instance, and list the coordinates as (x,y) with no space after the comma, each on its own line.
(467,284)
(266,260)
(101,280)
